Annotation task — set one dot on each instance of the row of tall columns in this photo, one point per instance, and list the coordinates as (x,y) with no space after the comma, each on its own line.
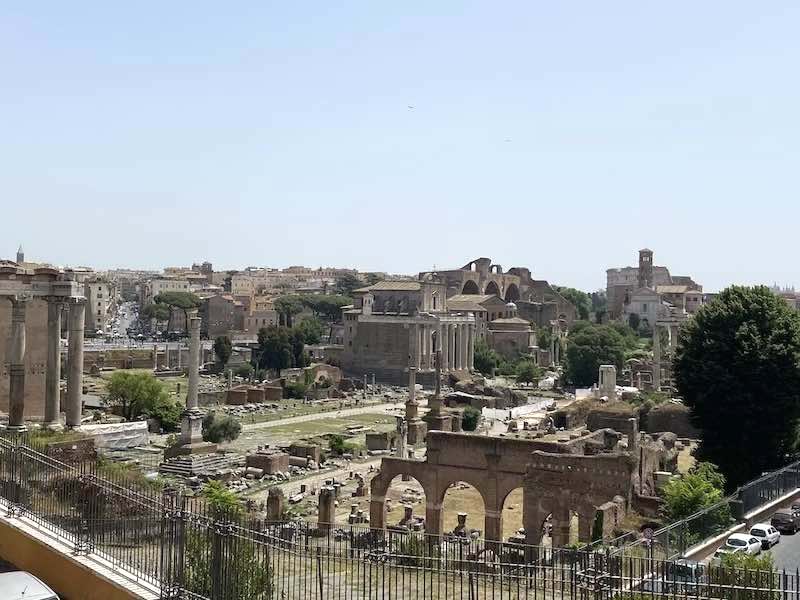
(16,403)
(455,340)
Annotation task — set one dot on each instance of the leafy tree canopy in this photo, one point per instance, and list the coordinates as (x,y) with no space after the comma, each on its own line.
(220,428)
(274,348)
(470,418)
(737,366)
(485,359)
(223,348)
(287,307)
(159,312)
(347,284)
(182,300)
(590,346)
(580,299)
(528,372)
(311,329)
(139,394)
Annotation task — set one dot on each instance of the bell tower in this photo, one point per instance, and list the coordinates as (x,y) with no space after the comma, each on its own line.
(20,255)
(645,268)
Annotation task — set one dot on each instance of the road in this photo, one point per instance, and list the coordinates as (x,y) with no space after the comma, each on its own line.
(347,412)
(787,553)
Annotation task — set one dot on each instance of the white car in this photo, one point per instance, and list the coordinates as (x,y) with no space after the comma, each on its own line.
(20,585)
(748,543)
(765,532)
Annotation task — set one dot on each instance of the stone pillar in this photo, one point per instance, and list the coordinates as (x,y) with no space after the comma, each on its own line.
(52,399)
(365,386)
(230,378)
(166,356)
(179,352)
(327,508)
(275,504)
(561,527)
(493,526)
(585,522)
(471,349)
(442,342)
(155,357)
(415,427)
(656,358)
(16,367)
(417,360)
(673,337)
(464,347)
(453,350)
(77,318)
(194,359)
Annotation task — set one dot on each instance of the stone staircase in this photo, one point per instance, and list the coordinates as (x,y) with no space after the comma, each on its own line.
(191,465)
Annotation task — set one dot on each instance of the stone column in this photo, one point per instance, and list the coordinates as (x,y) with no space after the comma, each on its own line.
(155,357)
(190,351)
(585,522)
(52,398)
(465,346)
(275,504)
(452,342)
(327,509)
(16,367)
(561,527)
(77,317)
(656,358)
(443,347)
(194,360)
(471,350)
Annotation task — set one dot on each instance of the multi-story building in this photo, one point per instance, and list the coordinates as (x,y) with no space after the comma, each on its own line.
(397,324)
(101,304)
(221,315)
(623,284)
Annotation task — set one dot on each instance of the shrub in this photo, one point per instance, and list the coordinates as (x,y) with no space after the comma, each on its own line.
(296,390)
(220,428)
(470,418)
(338,446)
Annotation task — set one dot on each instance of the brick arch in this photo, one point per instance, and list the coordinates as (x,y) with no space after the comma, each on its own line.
(470,287)
(492,288)
(379,486)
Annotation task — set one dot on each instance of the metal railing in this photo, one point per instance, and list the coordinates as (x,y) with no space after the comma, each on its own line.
(193,550)
(675,539)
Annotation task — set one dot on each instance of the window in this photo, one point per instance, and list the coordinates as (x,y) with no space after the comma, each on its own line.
(644,306)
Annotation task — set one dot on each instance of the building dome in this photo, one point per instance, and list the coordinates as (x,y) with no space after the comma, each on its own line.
(511,305)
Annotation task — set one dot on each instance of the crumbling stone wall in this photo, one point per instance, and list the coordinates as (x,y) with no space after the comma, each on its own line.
(672,417)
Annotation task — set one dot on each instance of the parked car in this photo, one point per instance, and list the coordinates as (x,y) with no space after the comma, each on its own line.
(716,560)
(768,535)
(20,585)
(786,520)
(680,577)
(749,544)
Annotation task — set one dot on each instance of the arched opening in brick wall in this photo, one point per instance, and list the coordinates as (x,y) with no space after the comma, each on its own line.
(470,287)
(461,497)
(512,514)
(492,289)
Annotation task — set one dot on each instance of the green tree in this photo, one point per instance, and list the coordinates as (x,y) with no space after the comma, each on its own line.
(326,307)
(544,337)
(742,572)
(297,343)
(590,347)
(139,394)
(311,329)
(698,489)
(470,418)
(580,299)
(160,312)
(737,366)
(485,359)
(287,307)
(274,348)
(223,349)
(243,370)
(347,284)
(599,302)
(220,428)
(183,301)
(634,321)
(528,372)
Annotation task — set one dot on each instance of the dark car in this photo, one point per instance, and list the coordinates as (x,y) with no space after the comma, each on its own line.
(786,520)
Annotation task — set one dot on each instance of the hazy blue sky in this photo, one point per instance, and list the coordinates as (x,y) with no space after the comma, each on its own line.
(562,136)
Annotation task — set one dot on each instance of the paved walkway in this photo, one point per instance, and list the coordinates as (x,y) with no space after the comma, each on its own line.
(385,407)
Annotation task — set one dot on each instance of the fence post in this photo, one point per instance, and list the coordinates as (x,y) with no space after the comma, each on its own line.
(171,546)
(319,571)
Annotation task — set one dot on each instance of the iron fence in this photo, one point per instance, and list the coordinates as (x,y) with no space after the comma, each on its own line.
(193,550)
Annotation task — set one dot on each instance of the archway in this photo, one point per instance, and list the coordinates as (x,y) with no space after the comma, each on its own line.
(462,497)
(470,287)
(404,492)
(512,293)
(492,289)
(511,514)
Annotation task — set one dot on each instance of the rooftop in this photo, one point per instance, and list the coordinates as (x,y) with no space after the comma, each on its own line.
(394,286)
